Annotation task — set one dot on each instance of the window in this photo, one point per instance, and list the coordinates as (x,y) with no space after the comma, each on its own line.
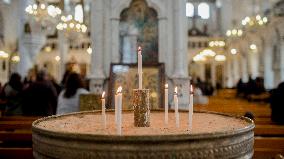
(203,10)
(189,10)
(79,13)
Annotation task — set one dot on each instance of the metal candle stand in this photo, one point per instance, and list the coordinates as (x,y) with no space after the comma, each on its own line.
(141,107)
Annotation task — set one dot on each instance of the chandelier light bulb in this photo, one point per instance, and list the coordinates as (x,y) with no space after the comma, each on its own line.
(57,58)
(258,17)
(42,6)
(234,32)
(228,33)
(233,51)
(34,6)
(264,19)
(253,47)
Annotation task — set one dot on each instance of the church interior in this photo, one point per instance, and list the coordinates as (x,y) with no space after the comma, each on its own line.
(198,78)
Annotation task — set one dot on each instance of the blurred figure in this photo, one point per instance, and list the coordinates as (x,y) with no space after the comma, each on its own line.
(68,100)
(57,87)
(40,97)
(249,115)
(199,98)
(12,94)
(277,104)
(31,77)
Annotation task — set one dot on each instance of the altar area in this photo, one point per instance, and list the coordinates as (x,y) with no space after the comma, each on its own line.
(159,27)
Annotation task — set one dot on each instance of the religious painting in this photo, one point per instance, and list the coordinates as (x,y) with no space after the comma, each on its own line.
(125,75)
(139,26)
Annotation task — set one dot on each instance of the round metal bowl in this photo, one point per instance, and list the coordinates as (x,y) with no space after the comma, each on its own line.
(220,145)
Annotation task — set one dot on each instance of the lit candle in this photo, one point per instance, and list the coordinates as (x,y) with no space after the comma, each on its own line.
(140,66)
(115,107)
(176,107)
(103,110)
(166,104)
(119,110)
(190,109)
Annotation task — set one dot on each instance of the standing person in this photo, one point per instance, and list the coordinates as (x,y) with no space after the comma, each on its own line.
(11,93)
(40,97)
(68,100)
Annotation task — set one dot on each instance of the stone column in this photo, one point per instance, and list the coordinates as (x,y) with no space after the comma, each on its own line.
(115,40)
(282,59)
(180,39)
(236,75)
(244,68)
(180,74)
(268,73)
(229,74)
(29,47)
(163,44)
(97,29)
(253,63)
(213,73)
(63,51)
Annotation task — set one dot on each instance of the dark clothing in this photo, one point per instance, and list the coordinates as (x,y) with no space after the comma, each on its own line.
(277,104)
(40,99)
(13,100)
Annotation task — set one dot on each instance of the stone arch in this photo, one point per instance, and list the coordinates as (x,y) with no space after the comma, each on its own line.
(123,4)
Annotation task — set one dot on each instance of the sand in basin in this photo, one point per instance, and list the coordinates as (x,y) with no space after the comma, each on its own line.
(91,124)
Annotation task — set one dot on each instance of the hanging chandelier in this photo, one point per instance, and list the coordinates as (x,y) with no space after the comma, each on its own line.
(71,27)
(3,55)
(43,13)
(234,32)
(253,21)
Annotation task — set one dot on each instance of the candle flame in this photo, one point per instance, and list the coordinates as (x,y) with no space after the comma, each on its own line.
(103,95)
(176,90)
(166,86)
(139,48)
(119,89)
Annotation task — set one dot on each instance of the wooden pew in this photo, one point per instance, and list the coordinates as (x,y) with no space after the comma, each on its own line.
(268,147)
(19,118)
(15,125)
(263,121)
(269,130)
(15,153)
(16,137)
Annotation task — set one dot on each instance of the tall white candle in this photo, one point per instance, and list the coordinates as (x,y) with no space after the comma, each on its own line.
(176,108)
(119,110)
(166,104)
(190,109)
(140,66)
(115,107)
(103,110)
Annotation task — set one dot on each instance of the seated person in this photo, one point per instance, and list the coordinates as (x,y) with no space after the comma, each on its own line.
(68,100)
(40,97)
(199,98)
(277,104)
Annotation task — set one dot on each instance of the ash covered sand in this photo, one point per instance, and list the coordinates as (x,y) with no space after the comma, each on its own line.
(91,124)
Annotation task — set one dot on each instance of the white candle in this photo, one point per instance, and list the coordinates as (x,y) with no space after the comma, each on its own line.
(119,110)
(190,109)
(115,107)
(166,104)
(140,66)
(176,108)
(103,110)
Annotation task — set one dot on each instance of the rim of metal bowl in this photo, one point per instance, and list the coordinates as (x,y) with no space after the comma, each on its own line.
(139,138)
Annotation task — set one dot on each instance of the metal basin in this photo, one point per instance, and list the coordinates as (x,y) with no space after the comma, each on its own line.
(237,143)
